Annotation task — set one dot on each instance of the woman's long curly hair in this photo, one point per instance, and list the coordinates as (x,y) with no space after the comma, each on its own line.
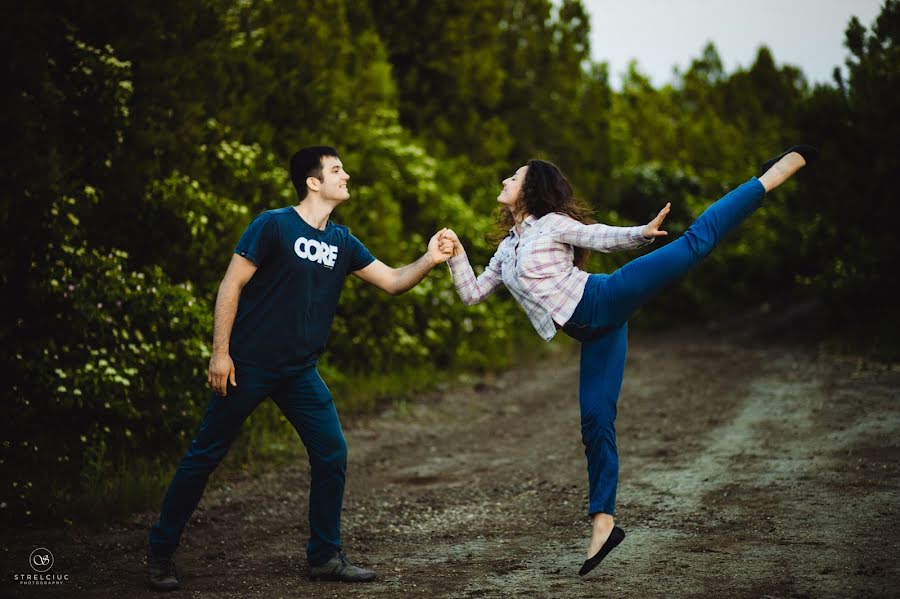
(546,190)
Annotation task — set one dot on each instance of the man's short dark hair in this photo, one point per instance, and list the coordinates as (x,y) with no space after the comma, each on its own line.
(307,162)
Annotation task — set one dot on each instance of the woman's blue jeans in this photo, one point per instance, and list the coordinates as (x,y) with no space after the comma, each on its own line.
(600,323)
(307,404)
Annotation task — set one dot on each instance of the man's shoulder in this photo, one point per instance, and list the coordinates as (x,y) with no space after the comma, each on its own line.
(338,227)
(339,231)
(284,212)
(272,214)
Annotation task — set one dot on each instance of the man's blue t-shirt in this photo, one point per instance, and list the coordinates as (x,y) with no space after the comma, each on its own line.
(285,311)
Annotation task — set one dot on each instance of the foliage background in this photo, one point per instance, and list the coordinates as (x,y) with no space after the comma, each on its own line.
(142,137)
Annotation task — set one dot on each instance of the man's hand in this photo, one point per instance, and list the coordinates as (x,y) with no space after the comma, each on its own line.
(440,249)
(221,371)
(450,235)
(651,229)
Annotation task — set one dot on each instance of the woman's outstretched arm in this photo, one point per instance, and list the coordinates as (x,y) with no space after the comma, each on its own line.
(604,238)
(472,289)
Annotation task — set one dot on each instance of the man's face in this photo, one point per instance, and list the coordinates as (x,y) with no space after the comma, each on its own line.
(334,180)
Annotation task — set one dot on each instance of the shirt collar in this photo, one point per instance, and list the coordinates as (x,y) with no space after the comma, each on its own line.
(528,222)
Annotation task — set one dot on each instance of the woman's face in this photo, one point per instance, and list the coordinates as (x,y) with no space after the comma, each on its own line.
(512,188)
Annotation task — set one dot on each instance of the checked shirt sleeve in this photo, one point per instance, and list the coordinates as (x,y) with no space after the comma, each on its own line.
(472,290)
(598,237)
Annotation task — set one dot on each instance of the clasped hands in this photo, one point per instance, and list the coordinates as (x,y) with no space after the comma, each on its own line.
(444,245)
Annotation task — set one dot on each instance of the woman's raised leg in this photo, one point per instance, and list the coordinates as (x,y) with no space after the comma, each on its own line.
(636,282)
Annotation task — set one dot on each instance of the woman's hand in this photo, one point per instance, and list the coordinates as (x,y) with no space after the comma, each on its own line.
(449,236)
(440,249)
(651,229)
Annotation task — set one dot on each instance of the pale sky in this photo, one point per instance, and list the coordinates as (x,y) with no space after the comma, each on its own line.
(662,33)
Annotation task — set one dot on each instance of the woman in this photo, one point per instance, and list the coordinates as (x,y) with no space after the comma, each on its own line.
(539,262)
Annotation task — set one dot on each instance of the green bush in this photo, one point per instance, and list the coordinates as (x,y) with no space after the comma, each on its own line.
(113,369)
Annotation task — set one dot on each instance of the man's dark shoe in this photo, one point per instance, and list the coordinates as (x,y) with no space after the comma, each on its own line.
(161,575)
(340,568)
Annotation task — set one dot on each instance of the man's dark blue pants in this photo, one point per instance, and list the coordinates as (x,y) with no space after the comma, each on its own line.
(307,404)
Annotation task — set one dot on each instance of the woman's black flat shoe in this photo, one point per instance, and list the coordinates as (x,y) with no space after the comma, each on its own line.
(809,153)
(615,537)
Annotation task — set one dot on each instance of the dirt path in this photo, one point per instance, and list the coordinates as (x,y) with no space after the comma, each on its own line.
(746,471)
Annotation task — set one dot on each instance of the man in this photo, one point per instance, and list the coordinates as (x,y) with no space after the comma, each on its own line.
(272,318)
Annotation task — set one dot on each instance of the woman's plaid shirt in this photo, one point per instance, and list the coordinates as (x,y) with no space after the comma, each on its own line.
(537,266)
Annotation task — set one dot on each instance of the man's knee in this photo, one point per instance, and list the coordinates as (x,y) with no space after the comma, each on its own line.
(331,455)
(205,452)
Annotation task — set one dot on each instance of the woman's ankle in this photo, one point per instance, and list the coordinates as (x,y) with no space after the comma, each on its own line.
(602,521)
(782,170)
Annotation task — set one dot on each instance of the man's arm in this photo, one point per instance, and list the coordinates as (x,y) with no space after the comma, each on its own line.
(399,280)
(221,367)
